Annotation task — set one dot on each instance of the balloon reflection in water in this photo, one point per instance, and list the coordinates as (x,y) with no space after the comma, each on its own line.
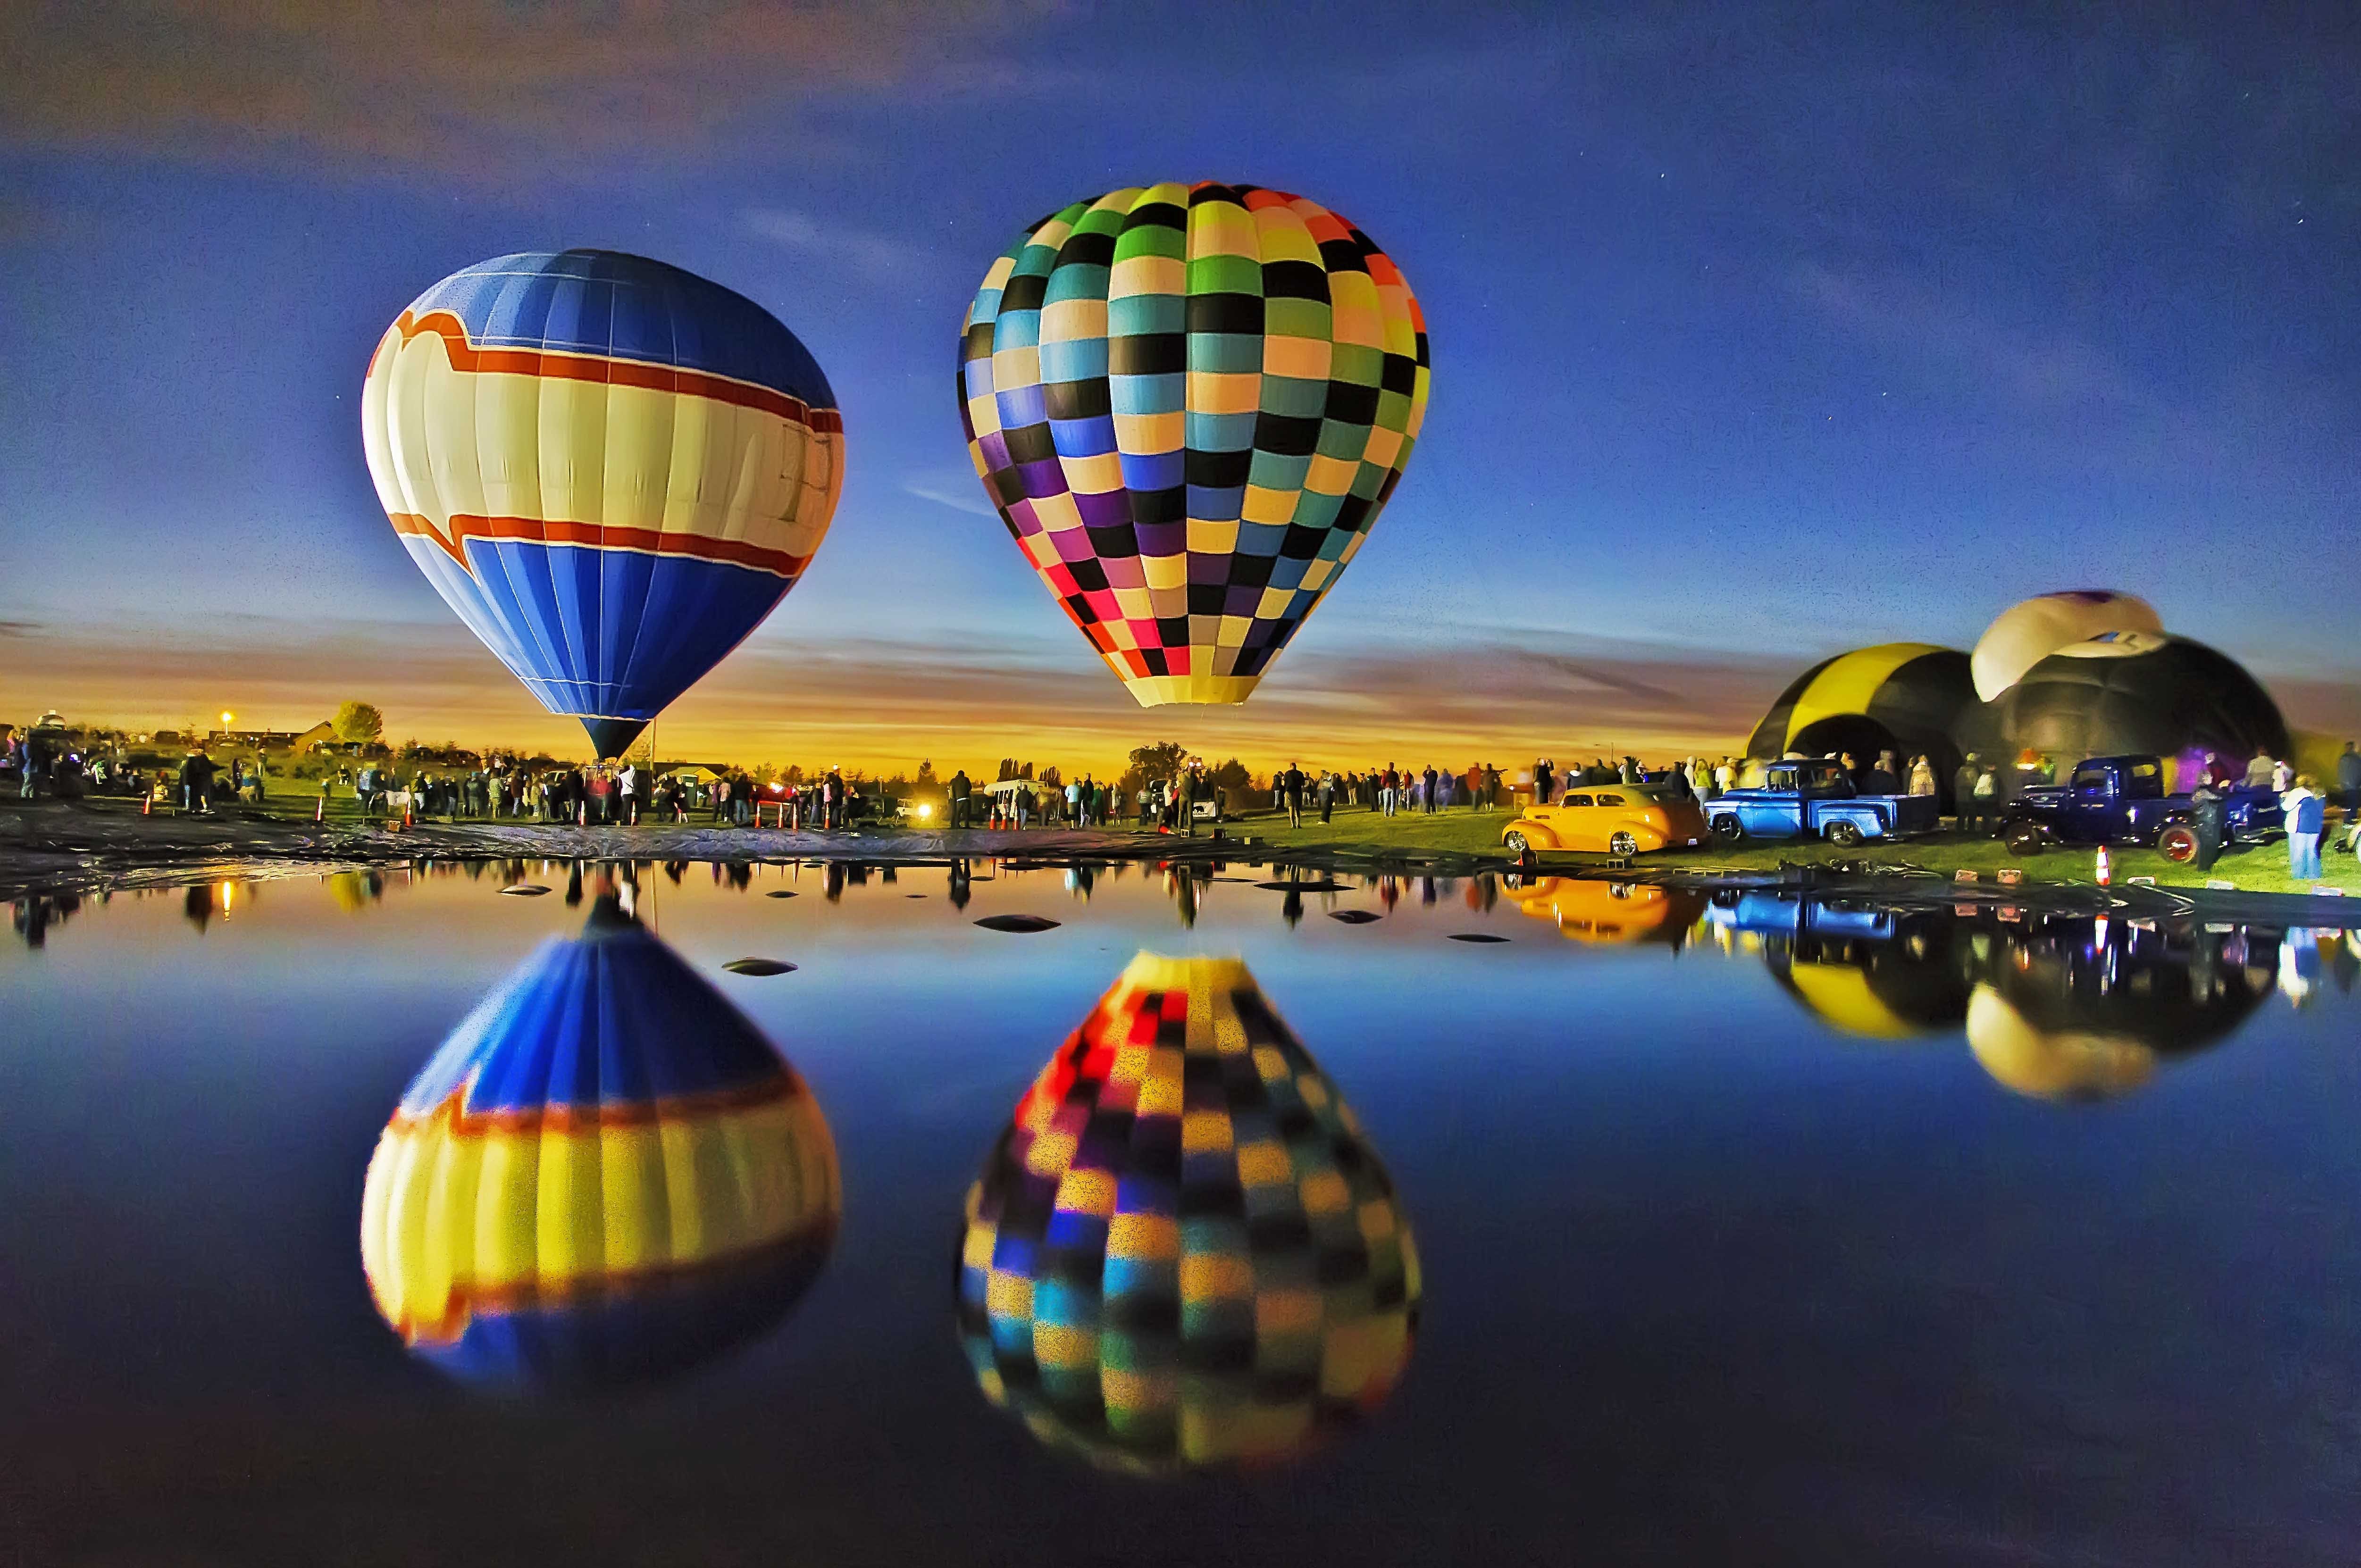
(1182,1254)
(606,1175)
(2054,1005)
(2084,1006)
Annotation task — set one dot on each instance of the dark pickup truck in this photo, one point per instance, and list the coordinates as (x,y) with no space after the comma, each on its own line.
(2121,800)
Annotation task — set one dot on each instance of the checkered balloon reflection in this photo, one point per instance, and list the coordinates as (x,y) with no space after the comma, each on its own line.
(1182,1254)
(1189,403)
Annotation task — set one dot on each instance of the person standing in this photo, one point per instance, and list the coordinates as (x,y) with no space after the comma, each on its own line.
(1984,797)
(962,792)
(2306,820)
(1922,776)
(1963,793)
(2348,782)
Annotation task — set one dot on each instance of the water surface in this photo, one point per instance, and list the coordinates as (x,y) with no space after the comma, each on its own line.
(1761,1231)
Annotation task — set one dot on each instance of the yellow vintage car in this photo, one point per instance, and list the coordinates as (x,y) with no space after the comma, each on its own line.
(1614,819)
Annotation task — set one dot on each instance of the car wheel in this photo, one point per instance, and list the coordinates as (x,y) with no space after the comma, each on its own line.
(1515,841)
(2021,838)
(1844,835)
(2178,843)
(1622,844)
(1727,829)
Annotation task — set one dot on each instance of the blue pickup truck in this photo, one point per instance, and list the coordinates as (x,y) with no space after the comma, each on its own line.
(1808,798)
(2122,800)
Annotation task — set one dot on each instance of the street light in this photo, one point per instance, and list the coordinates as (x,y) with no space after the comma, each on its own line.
(226,717)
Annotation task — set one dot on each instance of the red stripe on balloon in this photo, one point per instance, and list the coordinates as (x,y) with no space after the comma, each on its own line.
(466,355)
(596,536)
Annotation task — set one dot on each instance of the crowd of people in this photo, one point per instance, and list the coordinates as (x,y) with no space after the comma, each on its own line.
(1979,790)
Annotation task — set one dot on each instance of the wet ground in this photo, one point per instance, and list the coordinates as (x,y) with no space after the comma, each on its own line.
(1676,1226)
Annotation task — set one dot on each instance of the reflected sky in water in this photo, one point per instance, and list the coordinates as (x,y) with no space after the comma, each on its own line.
(1747,1229)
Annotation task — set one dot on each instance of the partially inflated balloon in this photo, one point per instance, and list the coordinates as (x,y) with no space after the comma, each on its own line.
(2030,630)
(1182,1253)
(1189,405)
(606,1175)
(610,468)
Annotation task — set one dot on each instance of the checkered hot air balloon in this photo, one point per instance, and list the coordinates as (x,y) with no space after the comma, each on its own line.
(612,469)
(1182,1253)
(1189,405)
(605,1175)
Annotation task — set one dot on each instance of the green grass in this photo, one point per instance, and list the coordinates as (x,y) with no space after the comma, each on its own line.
(1355,831)
(2257,868)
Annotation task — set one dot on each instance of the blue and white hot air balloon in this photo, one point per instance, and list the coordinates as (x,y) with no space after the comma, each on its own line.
(611,469)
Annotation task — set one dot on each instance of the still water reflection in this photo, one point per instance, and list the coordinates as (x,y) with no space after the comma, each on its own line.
(1747,1229)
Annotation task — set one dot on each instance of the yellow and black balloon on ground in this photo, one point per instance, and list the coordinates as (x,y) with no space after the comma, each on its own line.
(1182,1254)
(606,1176)
(1189,403)
(1906,697)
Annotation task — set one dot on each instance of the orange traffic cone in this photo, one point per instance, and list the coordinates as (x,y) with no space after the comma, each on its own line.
(2105,872)
(408,821)
(148,804)
(319,812)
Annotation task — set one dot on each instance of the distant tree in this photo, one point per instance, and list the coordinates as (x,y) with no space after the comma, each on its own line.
(925,782)
(1233,774)
(1048,776)
(357,723)
(1152,764)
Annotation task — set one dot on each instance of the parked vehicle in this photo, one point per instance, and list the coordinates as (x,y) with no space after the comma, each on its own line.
(1811,798)
(1615,819)
(2122,800)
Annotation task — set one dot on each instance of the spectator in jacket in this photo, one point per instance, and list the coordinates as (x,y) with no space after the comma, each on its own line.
(2348,780)
(2305,821)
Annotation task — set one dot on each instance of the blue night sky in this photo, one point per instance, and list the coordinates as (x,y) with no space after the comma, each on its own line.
(1752,339)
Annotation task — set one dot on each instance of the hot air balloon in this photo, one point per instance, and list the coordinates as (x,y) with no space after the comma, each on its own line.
(2030,630)
(2127,692)
(1906,697)
(1189,405)
(606,1175)
(612,470)
(1182,1254)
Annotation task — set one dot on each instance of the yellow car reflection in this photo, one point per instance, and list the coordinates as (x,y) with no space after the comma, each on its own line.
(1588,910)
(1614,819)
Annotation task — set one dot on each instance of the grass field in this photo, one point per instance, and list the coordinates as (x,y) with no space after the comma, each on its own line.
(2258,869)
(2255,869)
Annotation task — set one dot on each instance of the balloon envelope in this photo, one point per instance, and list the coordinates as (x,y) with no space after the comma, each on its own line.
(1182,1253)
(2138,692)
(606,1175)
(2030,630)
(1189,405)
(612,470)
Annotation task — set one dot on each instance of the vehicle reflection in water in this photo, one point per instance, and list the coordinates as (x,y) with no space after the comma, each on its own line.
(2054,1005)
(1182,1254)
(605,1175)
(1587,910)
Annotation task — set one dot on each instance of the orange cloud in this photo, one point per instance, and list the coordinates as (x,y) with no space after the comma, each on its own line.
(452,84)
(882,705)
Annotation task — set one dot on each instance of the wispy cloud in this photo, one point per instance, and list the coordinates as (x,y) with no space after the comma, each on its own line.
(863,250)
(2047,369)
(970,695)
(957,488)
(455,86)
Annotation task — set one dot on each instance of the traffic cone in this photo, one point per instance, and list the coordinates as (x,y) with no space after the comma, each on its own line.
(148,804)
(319,812)
(2105,872)
(408,821)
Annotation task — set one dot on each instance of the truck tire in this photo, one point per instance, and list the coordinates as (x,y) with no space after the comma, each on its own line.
(1844,835)
(2178,843)
(1728,828)
(2022,837)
